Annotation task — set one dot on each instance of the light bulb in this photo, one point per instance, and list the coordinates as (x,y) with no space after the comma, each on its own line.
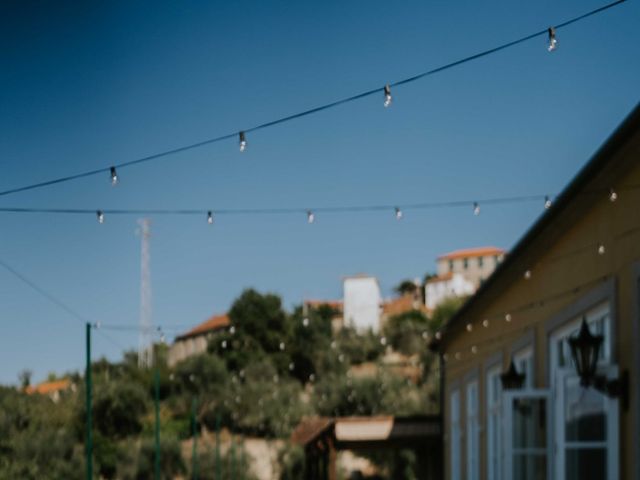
(458,355)
(100,215)
(281,346)
(469,327)
(438,335)
(232,329)
(224,344)
(485,323)
(387,96)
(613,196)
(310,216)
(527,274)
(291,366)
(507,317)
(305,322)
(601,249)
(399,213)
(474,349)
(210,217)
(243,142)
(114,176)
(547,203)
(383,341)
(476,208)
(553,41)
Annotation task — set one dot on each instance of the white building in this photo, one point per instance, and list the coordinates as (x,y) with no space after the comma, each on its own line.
(362,300)
(438,289)
(460,273)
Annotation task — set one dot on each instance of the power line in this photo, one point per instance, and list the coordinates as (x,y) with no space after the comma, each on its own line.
(241,134)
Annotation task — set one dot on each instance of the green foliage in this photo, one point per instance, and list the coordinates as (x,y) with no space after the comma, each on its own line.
(405,332)
(234,464)
(118,408)
(443,312)
(292,462)
(405,287)
(359,348)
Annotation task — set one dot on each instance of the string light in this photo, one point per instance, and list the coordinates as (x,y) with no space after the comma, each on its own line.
(305,322)
(485,323)
(547,202)
(469,327)
(114,176)
(281,346)
(100,215)
(507,317)
(399,213)
(553,41)
(601,249)
(527,274)
(474,349)
(476,208)
(243,142)
(210,217)
(387,96)
(310,216)
(613,196)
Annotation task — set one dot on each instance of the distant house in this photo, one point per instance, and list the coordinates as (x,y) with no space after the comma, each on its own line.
(402,304)
(195,341)
(460,273)
(336,305)
(362,300)
(52,389)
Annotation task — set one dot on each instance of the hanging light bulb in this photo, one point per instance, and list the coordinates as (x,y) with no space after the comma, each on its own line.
(114,176)
(469,327)
(243,142)
(210,217)
(305,322)
(553,42)
(100,215)
(474,349)
(485,323)
(601,249)
(547,203)
(281,346)
(507,317)
(399,213)
(476,209)
(527,274)
(310,216)
(387,96)
(613,196)
(458,355)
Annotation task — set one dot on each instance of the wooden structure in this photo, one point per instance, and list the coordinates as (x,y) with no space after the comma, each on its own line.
(323,437)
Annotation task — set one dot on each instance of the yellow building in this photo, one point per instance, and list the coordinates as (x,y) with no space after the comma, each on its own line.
(551,418)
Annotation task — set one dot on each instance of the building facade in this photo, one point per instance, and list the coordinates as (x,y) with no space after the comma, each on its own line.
(362,302)
(196,340)
(576,270)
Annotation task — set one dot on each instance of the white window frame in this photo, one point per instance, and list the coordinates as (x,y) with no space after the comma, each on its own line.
(455,444)
(559,374)
(494,423)
(507,400)
(473,430)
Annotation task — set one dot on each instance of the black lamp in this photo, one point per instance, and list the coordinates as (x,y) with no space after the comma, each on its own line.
(585,350)
(512,379)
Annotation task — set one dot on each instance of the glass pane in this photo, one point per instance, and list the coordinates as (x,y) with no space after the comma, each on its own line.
(585,416)
(530,467)
(585,464)
(529,423)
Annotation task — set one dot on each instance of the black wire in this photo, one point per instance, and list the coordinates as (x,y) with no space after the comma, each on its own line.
(310,111)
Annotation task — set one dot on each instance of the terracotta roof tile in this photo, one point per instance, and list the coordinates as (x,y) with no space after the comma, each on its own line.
(214,323)
(49,387)
(472,252)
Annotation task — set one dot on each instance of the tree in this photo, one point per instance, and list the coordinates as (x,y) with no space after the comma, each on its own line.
(405,331)
(445,311)
(24,377)
(406,287)
(118,408)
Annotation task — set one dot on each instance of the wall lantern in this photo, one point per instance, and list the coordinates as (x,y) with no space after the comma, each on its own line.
(512,379)
(585,350)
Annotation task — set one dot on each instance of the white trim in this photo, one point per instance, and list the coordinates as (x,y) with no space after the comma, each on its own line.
(493,413)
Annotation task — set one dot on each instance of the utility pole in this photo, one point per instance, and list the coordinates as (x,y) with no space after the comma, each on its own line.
(145,352)
(218,466)
(88,401)
(156,391)
(194,453)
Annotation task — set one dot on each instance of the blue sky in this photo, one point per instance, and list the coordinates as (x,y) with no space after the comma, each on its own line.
(83,86)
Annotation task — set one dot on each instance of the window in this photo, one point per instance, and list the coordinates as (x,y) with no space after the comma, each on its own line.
(465,262)
(494,424)
(586,421)
(454,447)
(523,360)
(480,261)
(527,440)
(473,431)
(451,265)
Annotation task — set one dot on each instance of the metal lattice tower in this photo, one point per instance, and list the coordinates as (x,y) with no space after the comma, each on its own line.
(145,346)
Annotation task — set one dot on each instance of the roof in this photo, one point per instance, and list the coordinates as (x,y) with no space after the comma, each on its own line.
(214,323)
(441,278)
(472,252)
(613,158)
(45,388)
(405,303)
